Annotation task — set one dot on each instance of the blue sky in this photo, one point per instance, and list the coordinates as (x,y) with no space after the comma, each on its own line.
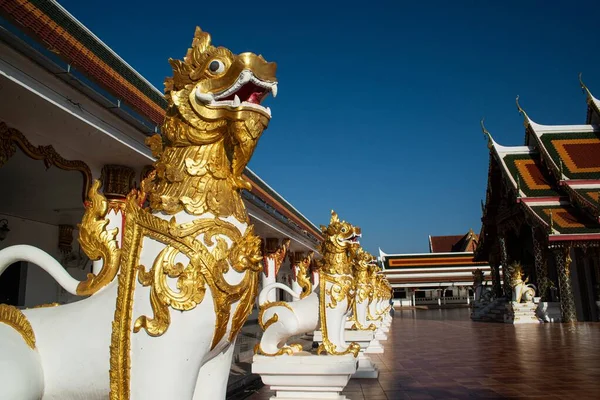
(379,102)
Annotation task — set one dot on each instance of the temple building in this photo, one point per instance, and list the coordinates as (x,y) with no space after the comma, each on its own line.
(73,111)
(542,210)
(444,276)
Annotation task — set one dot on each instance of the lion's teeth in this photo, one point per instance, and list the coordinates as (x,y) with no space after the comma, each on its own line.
(236,101)
(274,90)
(268,111)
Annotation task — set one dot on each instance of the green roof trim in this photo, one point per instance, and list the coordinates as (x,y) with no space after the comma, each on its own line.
(526,183)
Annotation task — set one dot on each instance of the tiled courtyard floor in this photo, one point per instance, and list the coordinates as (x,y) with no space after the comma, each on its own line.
(442,354)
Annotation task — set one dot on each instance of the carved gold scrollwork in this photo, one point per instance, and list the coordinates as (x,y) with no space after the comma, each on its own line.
(10,138)
(341,288)
(301,277)
(292,348)
(204,267)
(12,316)
(98,242)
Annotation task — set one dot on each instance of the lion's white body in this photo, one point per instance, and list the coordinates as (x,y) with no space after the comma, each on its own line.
(72,355)
(523,292)
(294,318)
(361,311)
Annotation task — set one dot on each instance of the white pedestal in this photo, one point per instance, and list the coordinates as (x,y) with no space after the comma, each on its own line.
(363,338)
(374,347)
(305,376)
(379,335)
(366,369)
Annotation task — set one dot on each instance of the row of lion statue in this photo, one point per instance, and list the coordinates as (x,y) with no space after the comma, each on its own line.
(175,282)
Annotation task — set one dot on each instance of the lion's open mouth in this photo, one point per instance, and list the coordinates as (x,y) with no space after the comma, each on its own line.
(353,238)
(247,92)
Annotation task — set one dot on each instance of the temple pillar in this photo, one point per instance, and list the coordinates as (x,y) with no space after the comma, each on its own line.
(541,266)
(589,273)
(505,272)
(117,182)
(496,282)
(563,267)
(274,256)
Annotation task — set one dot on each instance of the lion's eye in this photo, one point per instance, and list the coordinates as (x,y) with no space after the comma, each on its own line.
(216,66)
(344,230)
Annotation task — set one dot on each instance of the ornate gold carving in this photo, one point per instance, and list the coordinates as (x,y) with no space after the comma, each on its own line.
(341,288)
(374,293)
(203,268)
(10,138)
(289,350)
(117,180)
(340,241)
(48,305)
(271,320)
(302,277)
(12,316)
(278,256)
(206,144)
(98,242)
(292,348)
(364,288)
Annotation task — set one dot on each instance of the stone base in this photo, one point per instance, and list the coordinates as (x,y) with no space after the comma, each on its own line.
(549,311)
(374,347)
(379,335)
(521,313)
(306,376)
(363,338)
(489,312)
(366,369)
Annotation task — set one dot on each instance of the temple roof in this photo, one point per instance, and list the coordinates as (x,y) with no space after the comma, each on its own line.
(453,243)
(555,178)
(563,219)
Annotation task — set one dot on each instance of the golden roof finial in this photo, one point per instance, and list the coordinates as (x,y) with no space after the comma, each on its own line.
(585,89)
(487,134)
(522,112)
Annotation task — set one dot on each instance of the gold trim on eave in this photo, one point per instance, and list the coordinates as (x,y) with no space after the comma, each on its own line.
(12,316)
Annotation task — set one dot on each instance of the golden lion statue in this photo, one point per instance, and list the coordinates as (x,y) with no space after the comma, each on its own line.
(165,309)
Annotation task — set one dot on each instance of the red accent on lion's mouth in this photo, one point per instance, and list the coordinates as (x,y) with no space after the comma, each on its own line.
(250,93)
(353,239)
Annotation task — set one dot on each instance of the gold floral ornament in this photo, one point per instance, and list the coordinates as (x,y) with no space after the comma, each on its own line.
(339,243)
